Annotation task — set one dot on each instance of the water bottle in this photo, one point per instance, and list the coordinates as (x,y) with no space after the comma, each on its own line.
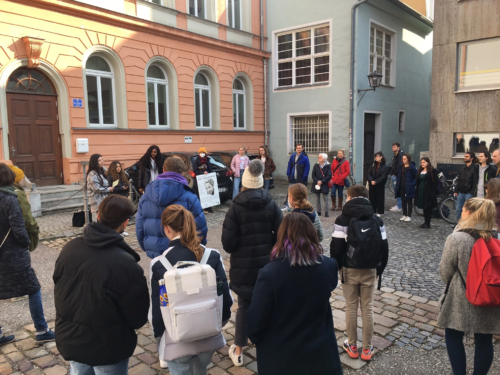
(163,294)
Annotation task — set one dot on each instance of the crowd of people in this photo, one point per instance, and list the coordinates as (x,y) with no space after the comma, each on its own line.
(277,262)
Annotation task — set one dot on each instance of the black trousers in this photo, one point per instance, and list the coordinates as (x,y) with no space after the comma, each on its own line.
(376,194)
(407,205)
(427,215)
(483,353)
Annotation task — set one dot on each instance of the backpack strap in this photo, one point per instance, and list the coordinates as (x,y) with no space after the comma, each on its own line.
(163,259)
(5,239)
(206,255)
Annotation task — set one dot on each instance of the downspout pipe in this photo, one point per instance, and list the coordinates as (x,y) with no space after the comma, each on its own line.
(264,62)
(351,104)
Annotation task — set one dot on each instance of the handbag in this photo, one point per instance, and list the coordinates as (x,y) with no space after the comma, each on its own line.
(79,218)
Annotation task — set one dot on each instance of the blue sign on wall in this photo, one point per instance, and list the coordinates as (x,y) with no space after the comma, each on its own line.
(78,103)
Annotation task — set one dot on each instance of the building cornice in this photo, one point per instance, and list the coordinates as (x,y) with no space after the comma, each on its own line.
(117,19)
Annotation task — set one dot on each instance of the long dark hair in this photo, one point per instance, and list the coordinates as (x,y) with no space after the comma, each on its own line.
(429,165)
(7,177)
(382,161)
(122,176)
(297,241)
(94,166)
(145,162)
(487,155)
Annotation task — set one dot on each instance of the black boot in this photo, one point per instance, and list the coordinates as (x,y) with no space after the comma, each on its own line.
(326,214)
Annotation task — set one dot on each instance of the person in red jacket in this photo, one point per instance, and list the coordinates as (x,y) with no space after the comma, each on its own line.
(340,171)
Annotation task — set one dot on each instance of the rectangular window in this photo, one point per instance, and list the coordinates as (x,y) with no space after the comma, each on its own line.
(197,8)
(303,57)
(312,131)
(381,60)
(234,13)
(479,65)
(476,142)
(402,116)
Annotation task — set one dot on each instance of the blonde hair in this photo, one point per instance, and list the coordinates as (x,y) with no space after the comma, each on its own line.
(481,218)
(181,220)
(299,195)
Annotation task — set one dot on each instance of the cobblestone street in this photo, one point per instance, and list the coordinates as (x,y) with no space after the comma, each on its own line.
(405,309)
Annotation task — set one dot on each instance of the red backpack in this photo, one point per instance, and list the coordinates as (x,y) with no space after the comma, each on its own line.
(483,276)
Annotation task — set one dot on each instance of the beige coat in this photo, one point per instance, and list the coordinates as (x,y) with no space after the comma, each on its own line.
(456,311)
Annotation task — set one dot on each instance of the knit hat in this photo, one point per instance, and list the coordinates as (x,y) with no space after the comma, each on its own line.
(253,178)
(202,149)
(19,173)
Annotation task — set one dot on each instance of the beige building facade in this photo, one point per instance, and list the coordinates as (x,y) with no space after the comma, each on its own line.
(465,101)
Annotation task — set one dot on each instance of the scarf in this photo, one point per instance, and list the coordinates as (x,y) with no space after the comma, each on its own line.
(203,160)
(154,171)
(173,176)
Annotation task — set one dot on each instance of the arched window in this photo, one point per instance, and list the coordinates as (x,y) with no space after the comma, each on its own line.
(29,81)
(238,105)
(100,92)
(157,96)
(202,101)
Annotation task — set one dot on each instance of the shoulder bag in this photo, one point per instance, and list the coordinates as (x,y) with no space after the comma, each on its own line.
(5,239)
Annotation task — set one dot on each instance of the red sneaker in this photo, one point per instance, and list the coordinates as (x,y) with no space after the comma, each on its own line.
(352,350)
(366,354)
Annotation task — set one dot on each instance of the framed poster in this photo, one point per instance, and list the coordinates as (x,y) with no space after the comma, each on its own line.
(208,190)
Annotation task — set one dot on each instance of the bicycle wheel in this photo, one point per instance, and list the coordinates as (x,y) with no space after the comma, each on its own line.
(418,211)
(448,210)
(391,186)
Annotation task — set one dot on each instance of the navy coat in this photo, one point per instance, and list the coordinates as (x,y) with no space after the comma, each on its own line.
(159,195)
(324,177)
(17,277)
(410,181)
(302,342)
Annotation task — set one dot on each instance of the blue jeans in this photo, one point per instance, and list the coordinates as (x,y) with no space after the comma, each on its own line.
(266,185)
(120,368)
(191,364)
(339,189)
(36,311)
(393,181)
(483,353)
(461,199)
(236,183)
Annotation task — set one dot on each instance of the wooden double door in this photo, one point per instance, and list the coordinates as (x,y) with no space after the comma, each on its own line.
(34,141)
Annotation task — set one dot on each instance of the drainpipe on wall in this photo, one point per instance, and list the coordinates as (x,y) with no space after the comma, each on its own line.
(266,132)
(351,105)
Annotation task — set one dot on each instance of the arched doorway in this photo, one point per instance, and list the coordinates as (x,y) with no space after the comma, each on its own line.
(34,142)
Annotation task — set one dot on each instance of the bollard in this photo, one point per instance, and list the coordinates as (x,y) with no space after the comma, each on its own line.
(85,198)
(130,197)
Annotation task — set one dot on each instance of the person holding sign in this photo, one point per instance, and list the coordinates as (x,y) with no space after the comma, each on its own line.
(201,165)
(118,179)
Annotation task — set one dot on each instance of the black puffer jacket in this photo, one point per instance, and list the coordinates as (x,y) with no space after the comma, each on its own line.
(249,234)
(355,207)
(101,297)
(17,277)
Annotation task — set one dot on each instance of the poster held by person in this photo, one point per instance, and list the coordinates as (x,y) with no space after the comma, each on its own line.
(208,190)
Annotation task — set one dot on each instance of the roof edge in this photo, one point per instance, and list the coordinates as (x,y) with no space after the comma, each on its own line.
(408,9)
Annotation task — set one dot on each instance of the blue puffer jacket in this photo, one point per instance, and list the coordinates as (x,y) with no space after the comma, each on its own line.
(159,195)
(410,182)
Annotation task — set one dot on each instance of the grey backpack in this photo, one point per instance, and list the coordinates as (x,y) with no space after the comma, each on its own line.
(191,309)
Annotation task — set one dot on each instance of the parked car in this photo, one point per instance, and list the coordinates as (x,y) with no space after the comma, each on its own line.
(224,179)
(227,157)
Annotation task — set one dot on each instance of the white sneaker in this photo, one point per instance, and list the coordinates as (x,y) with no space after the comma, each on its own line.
(378,215)
(407,219)
(237,359)
(163,364)
(125,234)
(402,218)
(395,209)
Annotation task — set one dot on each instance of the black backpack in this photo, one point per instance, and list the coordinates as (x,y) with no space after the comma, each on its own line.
(364,241)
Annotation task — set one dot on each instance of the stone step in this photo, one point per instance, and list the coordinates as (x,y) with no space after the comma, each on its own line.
(58,209)
(53,202)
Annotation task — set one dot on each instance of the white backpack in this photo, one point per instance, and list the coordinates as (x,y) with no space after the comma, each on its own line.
(194,310)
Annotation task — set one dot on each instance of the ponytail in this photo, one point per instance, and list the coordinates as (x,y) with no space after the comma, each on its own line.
(182,221)
(299,195)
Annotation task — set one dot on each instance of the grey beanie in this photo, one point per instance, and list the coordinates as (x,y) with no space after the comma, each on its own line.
(253,178)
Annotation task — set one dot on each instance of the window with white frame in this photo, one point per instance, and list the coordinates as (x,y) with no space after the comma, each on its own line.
(303,57)
(100,91)
(238,105)
(198,8)
(401,124)
(381,47)
(157,96)
(312,131)
(202,101)
(234,13)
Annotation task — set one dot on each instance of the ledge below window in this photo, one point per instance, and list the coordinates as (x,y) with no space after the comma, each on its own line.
(322,84)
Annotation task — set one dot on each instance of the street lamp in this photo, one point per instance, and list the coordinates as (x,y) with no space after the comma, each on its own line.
(374,80)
